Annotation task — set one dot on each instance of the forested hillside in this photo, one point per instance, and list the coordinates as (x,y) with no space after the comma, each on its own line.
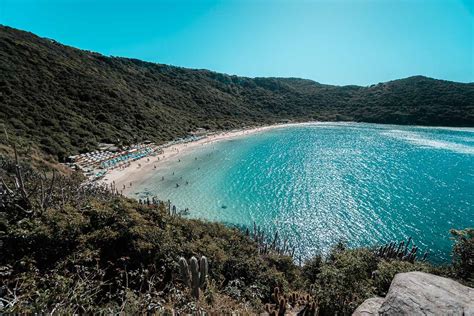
(65,100)
(73,248)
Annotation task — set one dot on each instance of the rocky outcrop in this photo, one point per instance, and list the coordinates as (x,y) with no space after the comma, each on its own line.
(418,293)
(369,307)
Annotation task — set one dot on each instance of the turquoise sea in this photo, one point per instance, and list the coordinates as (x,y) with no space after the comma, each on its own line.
(366,184)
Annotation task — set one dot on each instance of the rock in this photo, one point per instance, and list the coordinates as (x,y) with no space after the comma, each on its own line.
(369,307)
(418,293)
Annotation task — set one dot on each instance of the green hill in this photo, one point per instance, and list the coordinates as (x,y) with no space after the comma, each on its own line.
(71,248)
(65,100)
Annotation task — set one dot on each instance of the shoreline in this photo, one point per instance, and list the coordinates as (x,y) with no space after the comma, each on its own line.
(126,179)
(140,170)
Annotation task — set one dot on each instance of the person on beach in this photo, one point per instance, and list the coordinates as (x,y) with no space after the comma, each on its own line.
(154,166)
(130,184)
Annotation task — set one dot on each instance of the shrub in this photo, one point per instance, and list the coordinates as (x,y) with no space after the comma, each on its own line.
(463,254)
(84,250)
(345,280)
(312,268)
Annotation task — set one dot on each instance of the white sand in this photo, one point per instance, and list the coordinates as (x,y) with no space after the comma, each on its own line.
(135,174)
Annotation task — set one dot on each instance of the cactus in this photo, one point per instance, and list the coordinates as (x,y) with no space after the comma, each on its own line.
(402,252)
(310,309)
(274,240)
(184,269)
(294,304)
(282,307)
(194,277)
(279,310)
(203,271)
(267,245)
(276,295)
(195,274)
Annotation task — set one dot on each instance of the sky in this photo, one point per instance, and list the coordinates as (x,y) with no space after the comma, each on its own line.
(339,42)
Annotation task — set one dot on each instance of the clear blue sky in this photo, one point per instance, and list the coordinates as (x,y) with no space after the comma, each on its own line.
(338,42)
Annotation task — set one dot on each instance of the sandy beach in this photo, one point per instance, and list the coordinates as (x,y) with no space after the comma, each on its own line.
(127,178)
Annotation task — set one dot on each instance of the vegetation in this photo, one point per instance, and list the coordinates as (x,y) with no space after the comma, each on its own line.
(73,248)
(87,249)
(69,248)
(62,100)
(463,254)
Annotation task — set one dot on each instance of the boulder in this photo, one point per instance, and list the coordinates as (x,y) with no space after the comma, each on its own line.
(370,307)
(418,293)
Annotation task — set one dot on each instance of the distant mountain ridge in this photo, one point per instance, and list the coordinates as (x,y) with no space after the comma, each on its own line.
(65,100)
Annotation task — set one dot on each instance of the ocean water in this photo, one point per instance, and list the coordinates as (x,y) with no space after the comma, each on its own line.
(365,184)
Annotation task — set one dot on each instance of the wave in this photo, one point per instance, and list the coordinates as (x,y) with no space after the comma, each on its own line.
(451,129)
(419,140)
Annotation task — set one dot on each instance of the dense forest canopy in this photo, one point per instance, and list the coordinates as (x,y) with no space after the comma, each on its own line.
(65,100)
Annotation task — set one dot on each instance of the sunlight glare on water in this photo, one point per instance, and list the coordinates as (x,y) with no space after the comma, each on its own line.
(366,184)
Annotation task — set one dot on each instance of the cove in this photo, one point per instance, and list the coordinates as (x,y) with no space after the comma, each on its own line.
(365,184)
